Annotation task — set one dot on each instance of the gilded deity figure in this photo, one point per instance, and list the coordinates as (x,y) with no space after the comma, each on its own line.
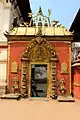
(62,86)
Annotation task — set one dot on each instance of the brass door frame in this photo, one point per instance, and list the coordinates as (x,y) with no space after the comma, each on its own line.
(48,77)
(39,52)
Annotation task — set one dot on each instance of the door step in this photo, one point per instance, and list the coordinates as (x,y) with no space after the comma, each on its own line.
(39,99)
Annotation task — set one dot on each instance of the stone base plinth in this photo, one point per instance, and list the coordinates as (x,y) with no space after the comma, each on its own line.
(11,96)
(3,86)
(65,99)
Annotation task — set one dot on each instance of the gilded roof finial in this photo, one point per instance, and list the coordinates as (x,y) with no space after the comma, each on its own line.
(49,12)
(40,11)
(30,14)
(54,23)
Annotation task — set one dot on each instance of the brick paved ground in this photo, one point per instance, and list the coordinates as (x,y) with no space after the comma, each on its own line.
(25,109)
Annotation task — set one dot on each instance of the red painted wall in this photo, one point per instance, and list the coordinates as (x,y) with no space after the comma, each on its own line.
(62,49)
(16,50)
(76,80)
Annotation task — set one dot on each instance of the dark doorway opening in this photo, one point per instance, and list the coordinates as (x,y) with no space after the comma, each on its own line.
(38,80)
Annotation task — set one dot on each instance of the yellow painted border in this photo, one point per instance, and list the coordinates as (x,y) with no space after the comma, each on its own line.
(70,57)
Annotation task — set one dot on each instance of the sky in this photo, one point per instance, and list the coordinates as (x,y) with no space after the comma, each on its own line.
(62,10)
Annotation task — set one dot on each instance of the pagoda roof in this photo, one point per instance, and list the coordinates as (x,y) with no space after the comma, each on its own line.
(75,26)
(76,64)
(24,6)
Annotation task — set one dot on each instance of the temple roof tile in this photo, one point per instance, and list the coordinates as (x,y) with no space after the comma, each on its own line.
(48,31)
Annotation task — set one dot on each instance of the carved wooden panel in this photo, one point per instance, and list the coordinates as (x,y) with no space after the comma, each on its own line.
(14,68)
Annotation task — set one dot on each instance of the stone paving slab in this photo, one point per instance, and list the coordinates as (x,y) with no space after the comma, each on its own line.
(39,110)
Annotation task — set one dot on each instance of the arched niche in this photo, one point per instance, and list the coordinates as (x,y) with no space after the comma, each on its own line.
(64,68)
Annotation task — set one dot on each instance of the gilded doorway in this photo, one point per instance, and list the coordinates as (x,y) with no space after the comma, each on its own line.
(39,54)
